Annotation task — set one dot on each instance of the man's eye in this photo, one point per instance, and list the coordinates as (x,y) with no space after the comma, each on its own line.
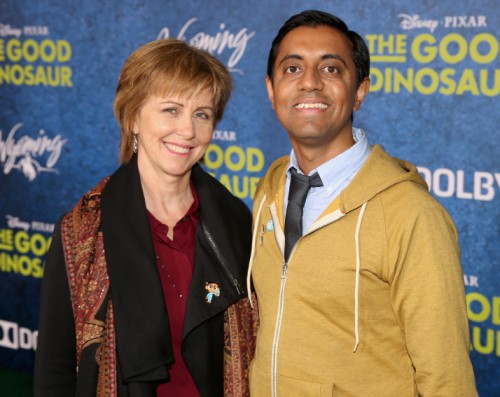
(331,69)
(291,69)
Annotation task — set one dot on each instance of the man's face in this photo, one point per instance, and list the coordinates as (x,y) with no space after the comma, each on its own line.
(313,91)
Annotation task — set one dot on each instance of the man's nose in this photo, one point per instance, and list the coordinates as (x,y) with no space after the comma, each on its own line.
(311,80)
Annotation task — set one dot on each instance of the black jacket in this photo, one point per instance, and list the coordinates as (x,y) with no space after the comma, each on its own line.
(143,346)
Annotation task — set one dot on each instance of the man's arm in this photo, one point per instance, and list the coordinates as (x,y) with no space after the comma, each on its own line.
(428,298)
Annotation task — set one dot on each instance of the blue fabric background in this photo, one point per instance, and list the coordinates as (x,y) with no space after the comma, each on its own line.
(452,136)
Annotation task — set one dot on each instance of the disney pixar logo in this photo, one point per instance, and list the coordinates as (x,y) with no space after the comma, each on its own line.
(409,22)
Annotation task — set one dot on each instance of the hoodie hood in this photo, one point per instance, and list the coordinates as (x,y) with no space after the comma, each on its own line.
(380,172)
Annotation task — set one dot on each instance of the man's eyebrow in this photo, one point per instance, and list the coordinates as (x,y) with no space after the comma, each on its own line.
(291,56)
(325,56)
(334,56)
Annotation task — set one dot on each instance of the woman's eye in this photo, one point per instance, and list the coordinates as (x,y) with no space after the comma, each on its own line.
(202,116)
(170,110)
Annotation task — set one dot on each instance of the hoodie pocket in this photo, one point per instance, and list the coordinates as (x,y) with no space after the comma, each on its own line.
(301,388)
(261,385)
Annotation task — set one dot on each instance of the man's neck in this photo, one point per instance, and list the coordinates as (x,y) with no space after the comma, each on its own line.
(311,157)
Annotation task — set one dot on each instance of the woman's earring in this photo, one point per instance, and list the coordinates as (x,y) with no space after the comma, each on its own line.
(136,143)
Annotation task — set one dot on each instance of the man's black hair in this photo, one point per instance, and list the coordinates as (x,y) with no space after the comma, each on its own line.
(315,18)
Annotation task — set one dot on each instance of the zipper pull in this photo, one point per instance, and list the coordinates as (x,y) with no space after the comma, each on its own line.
(237,286)
(285,268)
(261,235)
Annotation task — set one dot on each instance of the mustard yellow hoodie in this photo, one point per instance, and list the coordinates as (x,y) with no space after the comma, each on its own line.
(371,302)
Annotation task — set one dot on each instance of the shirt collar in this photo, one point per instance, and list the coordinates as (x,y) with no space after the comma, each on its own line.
(159,228)
(338,165)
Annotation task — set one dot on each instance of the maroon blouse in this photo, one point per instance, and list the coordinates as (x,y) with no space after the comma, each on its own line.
(175,260)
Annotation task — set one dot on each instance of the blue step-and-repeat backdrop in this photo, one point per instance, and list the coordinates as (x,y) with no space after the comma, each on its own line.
(433,101)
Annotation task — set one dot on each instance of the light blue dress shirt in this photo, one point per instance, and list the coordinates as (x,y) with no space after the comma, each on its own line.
(336,174)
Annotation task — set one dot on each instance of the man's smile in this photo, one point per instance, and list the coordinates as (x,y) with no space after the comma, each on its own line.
(316,105)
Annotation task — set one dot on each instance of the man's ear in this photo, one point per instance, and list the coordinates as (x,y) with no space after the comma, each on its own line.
(361,93)
(270,90)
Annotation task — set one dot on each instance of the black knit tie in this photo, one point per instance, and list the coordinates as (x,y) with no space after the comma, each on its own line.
(299,187)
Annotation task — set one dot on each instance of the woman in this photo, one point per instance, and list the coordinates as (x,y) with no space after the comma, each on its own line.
(142,290)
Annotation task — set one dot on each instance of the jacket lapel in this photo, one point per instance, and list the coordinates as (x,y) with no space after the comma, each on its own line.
(221,253)
(141,320)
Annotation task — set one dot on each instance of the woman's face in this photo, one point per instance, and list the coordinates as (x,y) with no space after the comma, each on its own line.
(173,133)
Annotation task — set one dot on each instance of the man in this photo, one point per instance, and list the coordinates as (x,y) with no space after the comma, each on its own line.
(370,300)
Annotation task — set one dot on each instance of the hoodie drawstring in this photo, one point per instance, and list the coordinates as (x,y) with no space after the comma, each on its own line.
(252,254)
(356,287)
(358,265)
